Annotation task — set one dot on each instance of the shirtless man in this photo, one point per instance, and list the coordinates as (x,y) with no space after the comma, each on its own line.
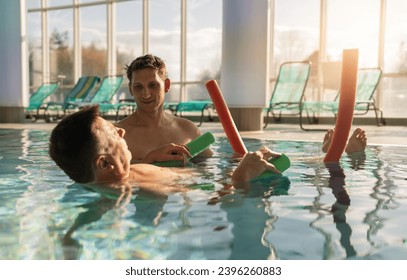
(356,143)
(92,151)
(150,127)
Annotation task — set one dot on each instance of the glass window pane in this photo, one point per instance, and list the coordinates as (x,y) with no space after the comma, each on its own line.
(353,24)
(56,3)
(87,1)
(93,40)
(394,100)
(296,32)
(33,4)
(164,34)
(34,48)
(204,36)
(129,32)
(395,54)
(61,46)
(174,94)
(394,95)
(296,38)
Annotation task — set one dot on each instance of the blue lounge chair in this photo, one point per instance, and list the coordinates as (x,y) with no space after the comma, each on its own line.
(84,86)
(191,106)
(37,100)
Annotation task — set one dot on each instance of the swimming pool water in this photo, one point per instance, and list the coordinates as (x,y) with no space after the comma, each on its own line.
(355,210)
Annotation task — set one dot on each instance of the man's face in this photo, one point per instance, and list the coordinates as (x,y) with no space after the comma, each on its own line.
(112,143)
(148,89)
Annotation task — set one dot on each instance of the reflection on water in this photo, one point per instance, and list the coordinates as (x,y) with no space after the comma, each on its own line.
(351,210)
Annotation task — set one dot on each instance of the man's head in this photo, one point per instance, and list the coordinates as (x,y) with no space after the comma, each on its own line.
(148,82)
(89,149)
(147,61)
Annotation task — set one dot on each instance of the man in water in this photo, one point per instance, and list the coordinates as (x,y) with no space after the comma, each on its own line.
(148,84)
(92,151)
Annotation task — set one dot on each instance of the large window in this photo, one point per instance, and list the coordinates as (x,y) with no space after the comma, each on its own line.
(61,46)
(33,4)
(55,3)
(55,54)
(295,37)
(395,55)
(94,40)
(393,88)
(35,49)
(353,24)
(165,35)
(296,32)
(204,39)
(86,1)
(204,45)
(129,33)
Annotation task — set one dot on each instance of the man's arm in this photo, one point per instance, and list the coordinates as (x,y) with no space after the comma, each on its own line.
(166,153)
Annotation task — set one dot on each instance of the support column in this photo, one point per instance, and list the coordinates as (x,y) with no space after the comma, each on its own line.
(245,60)
(14,88)
(111,39)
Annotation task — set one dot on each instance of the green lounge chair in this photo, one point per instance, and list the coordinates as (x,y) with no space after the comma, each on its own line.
(191,106)
(289,89)
(367,81)
(79,92)
(109,86)
(37,100)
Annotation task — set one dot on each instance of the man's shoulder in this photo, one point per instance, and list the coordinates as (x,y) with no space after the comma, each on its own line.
(131,120)
(184,123)
(124,123)
(183,127)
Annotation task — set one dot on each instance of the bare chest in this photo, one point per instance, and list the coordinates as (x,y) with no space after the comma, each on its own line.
(143,141)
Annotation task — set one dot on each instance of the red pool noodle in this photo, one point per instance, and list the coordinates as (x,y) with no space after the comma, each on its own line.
(346,105)
(226,118)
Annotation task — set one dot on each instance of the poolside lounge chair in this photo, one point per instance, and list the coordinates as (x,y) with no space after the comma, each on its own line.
(37,100)
(79,92)
(366,85)
(109,86)
(289,90)
(191,106)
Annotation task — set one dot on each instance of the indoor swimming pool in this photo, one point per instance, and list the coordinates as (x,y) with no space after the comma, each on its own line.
(351,210)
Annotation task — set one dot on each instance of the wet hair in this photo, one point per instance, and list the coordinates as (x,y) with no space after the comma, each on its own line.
(73,145)
(146,61)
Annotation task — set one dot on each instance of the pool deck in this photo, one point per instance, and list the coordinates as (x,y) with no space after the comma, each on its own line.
(383,135)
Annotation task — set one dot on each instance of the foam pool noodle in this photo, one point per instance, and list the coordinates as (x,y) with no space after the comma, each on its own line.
(196,146)
(346,105)
(282,163)
(204,187)
(226,118)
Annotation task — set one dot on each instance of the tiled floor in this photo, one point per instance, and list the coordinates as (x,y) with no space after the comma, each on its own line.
(384,135)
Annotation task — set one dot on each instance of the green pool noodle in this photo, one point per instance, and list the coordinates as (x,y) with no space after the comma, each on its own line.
(201,143)
(196,146)
(282,163)
(205,187)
